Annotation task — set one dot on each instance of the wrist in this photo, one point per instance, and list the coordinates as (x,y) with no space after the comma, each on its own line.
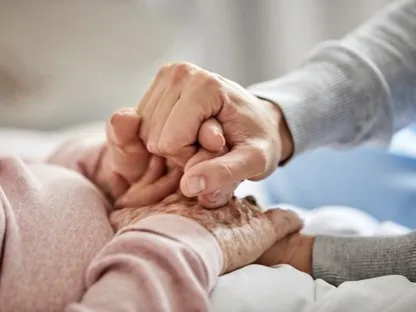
(286,138)
(287,146)
(301,256)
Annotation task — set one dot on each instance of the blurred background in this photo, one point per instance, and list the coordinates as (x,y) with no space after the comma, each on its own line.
(66,63)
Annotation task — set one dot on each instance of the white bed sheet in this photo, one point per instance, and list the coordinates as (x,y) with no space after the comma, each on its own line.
(260,289)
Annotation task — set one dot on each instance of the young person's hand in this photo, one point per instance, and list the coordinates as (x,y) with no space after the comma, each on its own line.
(181,99)
(294,249)
(126,165)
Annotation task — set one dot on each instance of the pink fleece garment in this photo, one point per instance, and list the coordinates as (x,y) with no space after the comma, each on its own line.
(59,252)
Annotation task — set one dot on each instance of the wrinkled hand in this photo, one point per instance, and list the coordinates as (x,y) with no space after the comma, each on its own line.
(126,161)
(175,110)
(242,231)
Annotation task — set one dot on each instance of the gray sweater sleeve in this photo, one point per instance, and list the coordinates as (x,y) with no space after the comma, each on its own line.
(359,89)
(340,259)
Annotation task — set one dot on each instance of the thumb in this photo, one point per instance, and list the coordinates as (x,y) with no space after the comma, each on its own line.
(241,163)
(211,136)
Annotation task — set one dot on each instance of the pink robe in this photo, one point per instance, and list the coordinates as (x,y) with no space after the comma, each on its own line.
(59,252)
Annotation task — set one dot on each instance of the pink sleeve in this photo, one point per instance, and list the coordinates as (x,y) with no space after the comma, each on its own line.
(162,263)
(81,155)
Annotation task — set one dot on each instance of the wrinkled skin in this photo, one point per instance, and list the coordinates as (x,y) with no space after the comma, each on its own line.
(177,105)
(242,231)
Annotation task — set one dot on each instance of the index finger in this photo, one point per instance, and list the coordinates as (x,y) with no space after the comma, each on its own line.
(185,120)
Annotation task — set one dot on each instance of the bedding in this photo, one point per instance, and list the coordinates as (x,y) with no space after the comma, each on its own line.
(261,289)
(354,178)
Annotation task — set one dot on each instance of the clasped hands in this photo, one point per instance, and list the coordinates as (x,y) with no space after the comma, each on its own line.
(198,137)
(150,186)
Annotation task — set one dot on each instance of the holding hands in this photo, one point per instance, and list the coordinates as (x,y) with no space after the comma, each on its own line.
(151,187)
(178,111)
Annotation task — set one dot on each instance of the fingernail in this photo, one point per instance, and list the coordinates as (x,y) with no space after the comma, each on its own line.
(196,185)
(221,137)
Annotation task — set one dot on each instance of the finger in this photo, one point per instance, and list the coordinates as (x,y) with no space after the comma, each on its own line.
(123,126)
(207,176)
(116,185)
(203,155)
(129,157)
(285,222)
(155,170)
(138,195)
(159,117)
(219,197)
(195,105)
(177,77)
(152,99)
(160,79)
(111,182)
(211,135)
(183,155)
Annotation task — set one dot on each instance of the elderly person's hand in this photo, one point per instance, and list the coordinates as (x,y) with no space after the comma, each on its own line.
(126,162)
(294,249)
(174,110)
(242,231)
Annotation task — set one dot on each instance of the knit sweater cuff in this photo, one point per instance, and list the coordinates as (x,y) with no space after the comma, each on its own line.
(340,259)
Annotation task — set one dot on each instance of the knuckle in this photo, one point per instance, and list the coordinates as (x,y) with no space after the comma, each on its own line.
(152,147)
(212,82)
(225,173)
(166,147)
(180,72)
(259,158)
(207,81)
(291,219)
(163,70)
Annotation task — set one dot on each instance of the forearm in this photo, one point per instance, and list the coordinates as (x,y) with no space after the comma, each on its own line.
(355,90)
(92,159)
(162,263)
(340,259)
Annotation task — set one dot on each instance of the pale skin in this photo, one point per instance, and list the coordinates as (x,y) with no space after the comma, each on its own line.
(151,186)
(241,137)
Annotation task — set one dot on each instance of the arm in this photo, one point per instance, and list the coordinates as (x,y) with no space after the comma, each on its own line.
(340,259)
(359,89)
(80,155)
(112,165)
(172,268)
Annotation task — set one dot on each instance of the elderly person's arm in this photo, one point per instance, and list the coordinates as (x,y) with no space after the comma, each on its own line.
(168,256)
(58,247)
(161,263)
